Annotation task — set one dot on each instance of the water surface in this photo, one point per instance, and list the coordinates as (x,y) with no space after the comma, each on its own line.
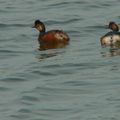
(78,82)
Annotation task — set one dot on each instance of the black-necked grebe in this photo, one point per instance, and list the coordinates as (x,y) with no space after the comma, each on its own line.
(50,38)
(112,37)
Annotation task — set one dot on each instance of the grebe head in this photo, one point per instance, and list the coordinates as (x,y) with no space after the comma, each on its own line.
(113,26)
(39,26)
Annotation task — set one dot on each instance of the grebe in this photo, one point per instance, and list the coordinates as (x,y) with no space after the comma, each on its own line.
(52,38)
(113,37)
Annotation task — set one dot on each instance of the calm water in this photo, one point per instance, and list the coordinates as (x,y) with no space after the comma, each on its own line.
(78,82)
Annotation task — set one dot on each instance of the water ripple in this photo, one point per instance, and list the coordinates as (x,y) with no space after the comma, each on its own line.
(23,110)
(77,83)
(30,98)
(14,79)
(2,25)
(73,20)
(61,4)
(43,73)
(20,116)
(47,91)
(4,89)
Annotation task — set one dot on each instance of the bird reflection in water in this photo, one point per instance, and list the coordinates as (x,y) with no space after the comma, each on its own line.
(51,50)
(113,51)
(46,46)
(45,55)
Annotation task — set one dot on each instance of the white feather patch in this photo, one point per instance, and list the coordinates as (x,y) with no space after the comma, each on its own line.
(60,36)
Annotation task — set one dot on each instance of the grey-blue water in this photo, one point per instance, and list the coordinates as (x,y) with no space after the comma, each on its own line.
(78,82)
